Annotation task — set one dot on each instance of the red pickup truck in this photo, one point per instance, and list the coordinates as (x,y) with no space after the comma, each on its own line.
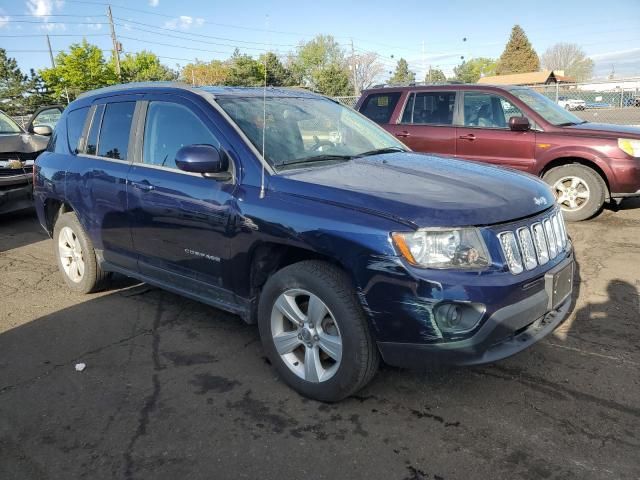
(585,163)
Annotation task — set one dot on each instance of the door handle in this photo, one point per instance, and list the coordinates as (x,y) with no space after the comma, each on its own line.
(403,134)
(471,137)
(144,185)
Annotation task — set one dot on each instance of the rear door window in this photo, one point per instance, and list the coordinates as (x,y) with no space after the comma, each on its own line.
(115,130)
(430,108)
(75,126)
(379,106)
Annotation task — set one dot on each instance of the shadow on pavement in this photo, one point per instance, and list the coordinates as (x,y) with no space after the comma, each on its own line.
(20,229)
(174,389)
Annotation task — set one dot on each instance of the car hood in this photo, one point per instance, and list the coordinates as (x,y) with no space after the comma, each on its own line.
(422,190)
(603,130)
(22,143)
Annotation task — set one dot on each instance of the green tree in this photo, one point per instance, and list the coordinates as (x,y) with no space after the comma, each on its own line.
(12,84)
(471,71)
(144,66)
(244,71)
(214,72)
(435,75)
(83,68)
(569,57)
(313,57)
(518,56)
(333,80)
(277,74)
(402,73)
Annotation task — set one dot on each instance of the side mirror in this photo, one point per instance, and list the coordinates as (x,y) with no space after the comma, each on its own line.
(204,159)
(519,124)
(43,130)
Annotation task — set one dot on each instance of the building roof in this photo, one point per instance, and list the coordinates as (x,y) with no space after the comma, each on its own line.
(530,78)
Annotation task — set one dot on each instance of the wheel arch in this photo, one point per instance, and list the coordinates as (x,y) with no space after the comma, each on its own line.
(269,257)
(52,209)
(568,160)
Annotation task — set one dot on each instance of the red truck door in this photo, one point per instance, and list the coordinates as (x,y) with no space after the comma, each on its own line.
(426,122)
(485,135)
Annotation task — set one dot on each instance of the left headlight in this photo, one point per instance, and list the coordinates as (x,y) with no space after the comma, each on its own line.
(456,248)
(629,146)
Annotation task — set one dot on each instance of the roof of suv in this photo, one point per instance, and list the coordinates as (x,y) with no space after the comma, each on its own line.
(440,86)
(216,91)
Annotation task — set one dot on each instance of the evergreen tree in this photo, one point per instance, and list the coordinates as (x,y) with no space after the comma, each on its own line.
(518,56)
(402,73)
(12,84)
(333,80)
(277,74)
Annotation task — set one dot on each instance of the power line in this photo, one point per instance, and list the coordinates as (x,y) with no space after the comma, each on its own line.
(30,35)
(199,40)
(164,29)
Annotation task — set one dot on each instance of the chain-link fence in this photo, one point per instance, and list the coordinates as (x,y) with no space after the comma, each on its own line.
(348,101)
(616,101)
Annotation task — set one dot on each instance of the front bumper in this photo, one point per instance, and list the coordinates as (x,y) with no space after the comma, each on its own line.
(506,332)
(16,198)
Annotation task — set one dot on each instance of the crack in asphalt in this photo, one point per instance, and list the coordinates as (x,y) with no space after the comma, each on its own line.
(151,400)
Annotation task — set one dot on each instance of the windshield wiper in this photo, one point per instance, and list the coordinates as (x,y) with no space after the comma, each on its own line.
(380,151)
(316,158)
(567,124)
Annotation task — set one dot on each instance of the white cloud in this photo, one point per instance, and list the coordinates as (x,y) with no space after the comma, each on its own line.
(44,9)
(184,22)
(40,8)
(4,19)
(154,3)
(93,26)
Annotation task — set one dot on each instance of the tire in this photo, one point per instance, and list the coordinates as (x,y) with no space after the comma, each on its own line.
(584,190)
(76,256)
(343,320)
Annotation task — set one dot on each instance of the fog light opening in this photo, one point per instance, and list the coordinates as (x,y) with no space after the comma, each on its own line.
(458,317)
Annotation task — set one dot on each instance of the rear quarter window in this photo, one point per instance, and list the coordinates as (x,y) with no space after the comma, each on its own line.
(75,126)
(379,106)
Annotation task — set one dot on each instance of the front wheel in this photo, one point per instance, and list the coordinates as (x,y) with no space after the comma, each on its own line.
(579,190)
(314,331)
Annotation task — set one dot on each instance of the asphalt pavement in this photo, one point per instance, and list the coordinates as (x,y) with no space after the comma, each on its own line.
(173,389)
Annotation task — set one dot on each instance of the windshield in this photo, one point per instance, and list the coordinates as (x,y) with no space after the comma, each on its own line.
(7,125)
(301,131)
(546,108)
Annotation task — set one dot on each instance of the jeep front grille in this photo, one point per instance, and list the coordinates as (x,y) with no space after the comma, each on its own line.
(534,244)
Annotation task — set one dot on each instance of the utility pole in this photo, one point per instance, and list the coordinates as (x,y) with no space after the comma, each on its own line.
(354,68)
(53,63)
(114,39)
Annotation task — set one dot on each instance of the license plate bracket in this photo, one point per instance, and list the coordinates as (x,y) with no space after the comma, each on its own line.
(559,284)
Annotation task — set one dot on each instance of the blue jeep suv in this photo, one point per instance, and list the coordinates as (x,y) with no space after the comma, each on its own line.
(299,214)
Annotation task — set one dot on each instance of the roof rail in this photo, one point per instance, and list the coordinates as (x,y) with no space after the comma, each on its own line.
(417,84)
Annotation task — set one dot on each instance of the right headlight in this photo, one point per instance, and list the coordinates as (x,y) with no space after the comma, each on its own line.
(629,146)
(455,248)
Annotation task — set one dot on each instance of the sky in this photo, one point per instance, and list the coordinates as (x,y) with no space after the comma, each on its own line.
(426,33)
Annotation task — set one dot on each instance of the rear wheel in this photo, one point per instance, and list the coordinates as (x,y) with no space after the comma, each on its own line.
(314,331)
(579,190)
(76,256)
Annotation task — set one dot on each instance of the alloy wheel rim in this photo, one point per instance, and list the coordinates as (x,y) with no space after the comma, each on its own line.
(306,335)
(572,193)
(71,255)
